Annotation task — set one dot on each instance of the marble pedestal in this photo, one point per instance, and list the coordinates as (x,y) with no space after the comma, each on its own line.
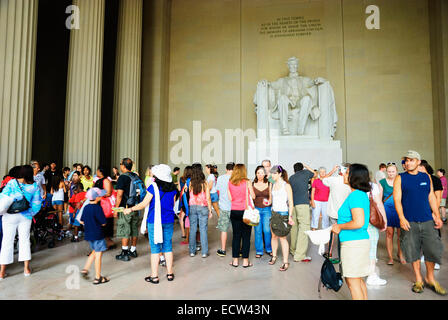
(287,150)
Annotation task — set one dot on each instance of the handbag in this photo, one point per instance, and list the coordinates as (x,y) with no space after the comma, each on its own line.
(251,215)
(19,205)
(376,218)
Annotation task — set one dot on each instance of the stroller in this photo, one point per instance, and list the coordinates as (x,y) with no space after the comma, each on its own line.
(46,227)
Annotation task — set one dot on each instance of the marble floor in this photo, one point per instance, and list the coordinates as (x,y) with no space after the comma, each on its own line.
(55,276)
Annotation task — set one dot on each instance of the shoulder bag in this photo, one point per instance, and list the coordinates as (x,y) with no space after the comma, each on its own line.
(19,205)
(251,215)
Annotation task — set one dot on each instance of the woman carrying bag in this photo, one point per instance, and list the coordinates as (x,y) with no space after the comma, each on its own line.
(27,203)
(238,189)
(282,209)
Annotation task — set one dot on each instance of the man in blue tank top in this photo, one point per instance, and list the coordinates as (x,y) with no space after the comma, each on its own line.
(416,206)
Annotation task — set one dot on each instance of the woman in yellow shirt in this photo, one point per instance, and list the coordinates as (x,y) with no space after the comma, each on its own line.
(87,179)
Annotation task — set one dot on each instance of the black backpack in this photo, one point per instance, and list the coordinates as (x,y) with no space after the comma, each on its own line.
(329,278)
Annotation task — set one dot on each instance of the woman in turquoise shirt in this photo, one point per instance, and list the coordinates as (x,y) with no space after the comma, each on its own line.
(353,220)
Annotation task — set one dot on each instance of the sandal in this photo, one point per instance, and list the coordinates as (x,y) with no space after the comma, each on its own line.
(273,260)
(101,280)
(233,265)
(248,266)
(258,256)
(284,266)
(152,279)
(390,262)
(436,287)
(85,273)
(418,287)
(170,276)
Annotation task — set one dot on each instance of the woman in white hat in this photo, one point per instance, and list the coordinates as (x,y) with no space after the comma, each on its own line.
(159,219)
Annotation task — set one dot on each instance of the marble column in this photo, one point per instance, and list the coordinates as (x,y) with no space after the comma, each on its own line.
(18,25)
(126,117)
(84,85)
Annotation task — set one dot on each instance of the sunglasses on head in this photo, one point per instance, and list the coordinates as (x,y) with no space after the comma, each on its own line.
(389,163)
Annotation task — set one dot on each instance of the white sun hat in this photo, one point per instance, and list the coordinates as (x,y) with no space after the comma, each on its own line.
(162,172)
(320,238)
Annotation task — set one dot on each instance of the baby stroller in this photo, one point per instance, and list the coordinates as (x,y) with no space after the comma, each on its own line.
(46,227)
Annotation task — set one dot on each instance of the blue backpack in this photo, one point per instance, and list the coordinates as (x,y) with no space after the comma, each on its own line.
(137,190)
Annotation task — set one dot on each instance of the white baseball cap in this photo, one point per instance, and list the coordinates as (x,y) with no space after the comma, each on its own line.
(162,172)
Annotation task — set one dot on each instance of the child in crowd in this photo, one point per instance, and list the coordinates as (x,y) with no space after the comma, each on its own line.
(93,220)
(76,202)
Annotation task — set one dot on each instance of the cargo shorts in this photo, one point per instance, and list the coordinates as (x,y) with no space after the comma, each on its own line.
(224,220)
(421,238)
(127,225)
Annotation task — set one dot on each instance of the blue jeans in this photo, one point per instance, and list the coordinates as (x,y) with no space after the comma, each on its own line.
(198,214)
(167,245)
(263,229)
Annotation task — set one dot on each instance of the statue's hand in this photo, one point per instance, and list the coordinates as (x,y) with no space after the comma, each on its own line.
(319,81)
(264,82)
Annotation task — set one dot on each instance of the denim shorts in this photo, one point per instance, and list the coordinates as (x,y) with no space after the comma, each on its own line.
(58,203)
(73,221)
(98,245)
(167,245)
(214,197)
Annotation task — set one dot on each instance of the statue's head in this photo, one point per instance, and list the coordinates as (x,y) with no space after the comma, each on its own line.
(293,64)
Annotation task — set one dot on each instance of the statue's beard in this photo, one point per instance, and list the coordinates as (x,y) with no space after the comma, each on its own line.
(293,74)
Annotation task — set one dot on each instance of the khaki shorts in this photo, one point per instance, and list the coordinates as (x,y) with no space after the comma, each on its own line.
(443,203)
(224,220)
(355,258)
(127,225)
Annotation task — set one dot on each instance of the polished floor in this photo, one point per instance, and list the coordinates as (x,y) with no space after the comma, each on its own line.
(55,276)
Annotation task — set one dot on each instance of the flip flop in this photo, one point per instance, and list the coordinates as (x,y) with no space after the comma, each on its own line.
(85,273)
(231,264)
(249,265)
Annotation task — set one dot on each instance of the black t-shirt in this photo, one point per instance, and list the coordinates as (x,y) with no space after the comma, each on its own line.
(123,183)
(436,183)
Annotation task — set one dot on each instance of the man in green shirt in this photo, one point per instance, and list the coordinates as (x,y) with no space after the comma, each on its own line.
(175,175)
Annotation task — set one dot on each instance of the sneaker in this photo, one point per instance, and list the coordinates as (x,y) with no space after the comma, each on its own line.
(192,254)
(205,255)
(436,266)
(221,253)
(133,254)
(307,259)
(74,239)
(123,256)
(374,280)
(198,248)
(162,263)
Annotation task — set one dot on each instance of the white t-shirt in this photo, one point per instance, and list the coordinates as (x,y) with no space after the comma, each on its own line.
(339,191)
(212,178)
(40,180)
(375,190)
(379,175)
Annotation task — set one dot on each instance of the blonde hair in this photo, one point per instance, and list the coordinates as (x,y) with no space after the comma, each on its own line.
(239,174)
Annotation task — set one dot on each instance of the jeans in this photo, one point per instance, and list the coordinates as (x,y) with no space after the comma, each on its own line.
(263,229)
(167,245)
(12,224)
(198,214)
(241,231)
(320,207)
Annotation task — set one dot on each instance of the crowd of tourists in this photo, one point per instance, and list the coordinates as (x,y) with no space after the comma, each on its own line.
(342,201)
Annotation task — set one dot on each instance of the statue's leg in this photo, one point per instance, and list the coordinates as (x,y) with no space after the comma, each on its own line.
(305,108)
(283,104)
